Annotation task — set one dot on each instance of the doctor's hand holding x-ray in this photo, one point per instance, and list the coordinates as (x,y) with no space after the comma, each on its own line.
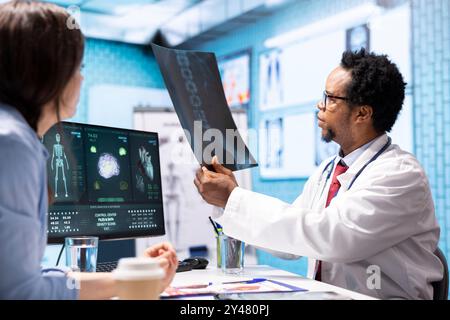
(215,187)
(365,218)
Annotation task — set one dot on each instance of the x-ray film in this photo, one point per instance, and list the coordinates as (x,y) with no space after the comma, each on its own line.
(193,81)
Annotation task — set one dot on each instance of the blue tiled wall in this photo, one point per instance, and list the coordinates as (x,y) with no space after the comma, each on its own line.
(431,61)
(107,62)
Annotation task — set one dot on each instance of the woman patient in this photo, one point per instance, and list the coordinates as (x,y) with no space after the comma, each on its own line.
(40,57)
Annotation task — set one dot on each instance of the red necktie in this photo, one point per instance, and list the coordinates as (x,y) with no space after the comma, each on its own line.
(334,188)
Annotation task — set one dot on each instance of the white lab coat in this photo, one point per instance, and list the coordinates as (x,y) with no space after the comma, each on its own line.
(385,221)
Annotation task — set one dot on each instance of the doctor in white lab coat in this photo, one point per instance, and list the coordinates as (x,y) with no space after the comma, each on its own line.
(365,218)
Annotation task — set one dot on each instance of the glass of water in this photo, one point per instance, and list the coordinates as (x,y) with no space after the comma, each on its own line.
(232,254)
(81,253)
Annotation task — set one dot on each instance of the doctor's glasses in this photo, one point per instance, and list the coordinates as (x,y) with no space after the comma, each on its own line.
(330,105)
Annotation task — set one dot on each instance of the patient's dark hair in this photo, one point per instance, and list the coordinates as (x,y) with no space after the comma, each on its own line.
(39,53)
(376,82)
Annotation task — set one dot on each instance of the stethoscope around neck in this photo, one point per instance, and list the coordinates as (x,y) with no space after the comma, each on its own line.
(330,165)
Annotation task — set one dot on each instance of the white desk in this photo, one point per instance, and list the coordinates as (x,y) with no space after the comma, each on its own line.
(212,274)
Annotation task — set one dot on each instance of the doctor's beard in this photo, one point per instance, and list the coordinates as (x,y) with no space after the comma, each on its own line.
(328,136)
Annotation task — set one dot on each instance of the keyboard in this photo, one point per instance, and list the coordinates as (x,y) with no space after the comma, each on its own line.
(110,266)
(106,266)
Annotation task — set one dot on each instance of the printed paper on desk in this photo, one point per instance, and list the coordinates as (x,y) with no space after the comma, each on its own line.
(202,289)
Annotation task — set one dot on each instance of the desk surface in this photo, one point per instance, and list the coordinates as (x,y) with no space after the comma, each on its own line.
(215,275)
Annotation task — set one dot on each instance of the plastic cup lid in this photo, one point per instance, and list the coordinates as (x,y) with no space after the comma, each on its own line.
(138,269)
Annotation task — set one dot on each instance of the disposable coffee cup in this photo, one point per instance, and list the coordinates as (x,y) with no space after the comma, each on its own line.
(138,279)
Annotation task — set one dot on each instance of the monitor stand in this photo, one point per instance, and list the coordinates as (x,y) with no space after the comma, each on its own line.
(113,250)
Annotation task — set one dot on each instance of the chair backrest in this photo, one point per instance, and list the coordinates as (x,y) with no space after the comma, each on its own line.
(440,288)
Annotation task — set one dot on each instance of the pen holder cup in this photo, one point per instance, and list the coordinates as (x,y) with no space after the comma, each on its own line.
(230,254)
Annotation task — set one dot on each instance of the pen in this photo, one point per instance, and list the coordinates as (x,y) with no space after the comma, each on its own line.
(206,285)
(219,227)
(214,226)
(256,280)
(196,286)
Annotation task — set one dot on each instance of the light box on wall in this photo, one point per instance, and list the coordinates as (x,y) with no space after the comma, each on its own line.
(295,75)
(235,74)
(287,146)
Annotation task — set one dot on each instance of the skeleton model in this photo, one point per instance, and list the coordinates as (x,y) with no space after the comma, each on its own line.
(58,154)
(173,194)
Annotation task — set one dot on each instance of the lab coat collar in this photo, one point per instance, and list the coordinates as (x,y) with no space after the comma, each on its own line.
(350,159)
(346,178)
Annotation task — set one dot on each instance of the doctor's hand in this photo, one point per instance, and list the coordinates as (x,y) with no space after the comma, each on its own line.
(167,257)
(215,187)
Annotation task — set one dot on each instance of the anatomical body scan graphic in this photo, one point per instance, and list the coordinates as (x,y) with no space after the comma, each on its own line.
(66,175)
(59,164)
(146,162)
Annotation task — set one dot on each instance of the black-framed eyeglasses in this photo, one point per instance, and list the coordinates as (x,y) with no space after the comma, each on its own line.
(326,96)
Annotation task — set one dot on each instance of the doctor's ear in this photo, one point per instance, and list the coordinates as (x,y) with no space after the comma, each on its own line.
(364,113)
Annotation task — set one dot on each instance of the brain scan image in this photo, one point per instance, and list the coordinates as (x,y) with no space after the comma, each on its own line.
(108,166)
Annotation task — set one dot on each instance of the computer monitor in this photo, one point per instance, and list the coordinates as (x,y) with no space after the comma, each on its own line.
(104,182)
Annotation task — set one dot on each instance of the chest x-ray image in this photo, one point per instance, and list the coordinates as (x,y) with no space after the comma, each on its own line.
(59,164)
(272,94)
(275,149)
(195,88)
(358,37)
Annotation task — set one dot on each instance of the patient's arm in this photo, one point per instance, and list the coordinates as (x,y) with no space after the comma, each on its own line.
(95,286)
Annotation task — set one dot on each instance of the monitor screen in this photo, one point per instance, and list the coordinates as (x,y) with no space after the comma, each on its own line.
(104,182)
